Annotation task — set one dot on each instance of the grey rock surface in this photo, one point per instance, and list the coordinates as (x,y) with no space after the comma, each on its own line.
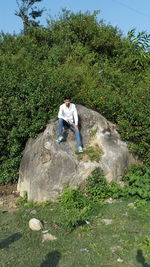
(47,167)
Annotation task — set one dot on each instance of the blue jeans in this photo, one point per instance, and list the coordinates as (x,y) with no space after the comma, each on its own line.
(61,122)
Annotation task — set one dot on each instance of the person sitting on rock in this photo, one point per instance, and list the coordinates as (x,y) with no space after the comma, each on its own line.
(68,115)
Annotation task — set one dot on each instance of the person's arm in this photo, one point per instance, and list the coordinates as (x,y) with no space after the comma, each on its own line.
(60,113)
(75,114)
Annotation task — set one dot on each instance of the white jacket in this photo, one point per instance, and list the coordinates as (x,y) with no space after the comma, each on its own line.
(70,113)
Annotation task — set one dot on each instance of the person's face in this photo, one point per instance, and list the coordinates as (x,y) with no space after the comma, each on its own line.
(67,102)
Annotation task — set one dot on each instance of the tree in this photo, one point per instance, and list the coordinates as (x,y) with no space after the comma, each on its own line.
(28,13)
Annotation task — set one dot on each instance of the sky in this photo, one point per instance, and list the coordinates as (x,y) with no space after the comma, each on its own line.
(125,14)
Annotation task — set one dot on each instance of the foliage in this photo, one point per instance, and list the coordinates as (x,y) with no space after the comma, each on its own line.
(146,243)
(71,218)
(141,41)
(28,13)
(97,188)
(77,205)
(22,201)
(75,208)
(115,190)
(104,243)
(73,198)
(138,179)
(83,57)
(93,153)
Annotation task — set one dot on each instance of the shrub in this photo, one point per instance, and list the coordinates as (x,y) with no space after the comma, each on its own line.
(138,179)
(78,206)
(73,198)
(79,56)
(75,208)
(115,190)
(97,187)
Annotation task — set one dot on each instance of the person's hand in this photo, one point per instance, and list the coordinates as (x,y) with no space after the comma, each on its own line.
(76,127)
(70,122)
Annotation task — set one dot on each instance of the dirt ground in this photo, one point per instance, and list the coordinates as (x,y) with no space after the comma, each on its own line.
(8,197)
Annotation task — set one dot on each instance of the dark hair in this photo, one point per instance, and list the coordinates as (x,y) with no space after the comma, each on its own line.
(67,97)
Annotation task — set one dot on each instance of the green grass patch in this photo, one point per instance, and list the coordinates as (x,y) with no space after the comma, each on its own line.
(91,153)
(95,244)
(93,133)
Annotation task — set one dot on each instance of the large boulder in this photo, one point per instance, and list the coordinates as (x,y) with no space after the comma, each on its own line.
(48,167)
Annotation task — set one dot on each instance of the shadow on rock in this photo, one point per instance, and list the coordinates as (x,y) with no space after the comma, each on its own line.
(140,258)
(51,259)
(6,242)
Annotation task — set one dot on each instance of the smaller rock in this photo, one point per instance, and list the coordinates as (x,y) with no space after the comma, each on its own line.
(115,248)
(35,224)
(131,205)
(107,221)
(119,260)
(48,237)
(109,201)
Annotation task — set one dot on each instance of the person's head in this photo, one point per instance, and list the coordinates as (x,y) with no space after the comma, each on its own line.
(67,100)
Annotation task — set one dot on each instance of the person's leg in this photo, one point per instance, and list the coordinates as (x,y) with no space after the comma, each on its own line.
(60,127)
(77,134)
(60,131)
(78,138)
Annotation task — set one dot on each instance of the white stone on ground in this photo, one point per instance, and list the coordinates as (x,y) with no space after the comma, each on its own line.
(35,224)
(48,237)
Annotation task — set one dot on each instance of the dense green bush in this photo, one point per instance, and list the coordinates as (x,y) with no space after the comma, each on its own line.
(73,198)
(74,55)
(75,208)
(98,189)
(138,179)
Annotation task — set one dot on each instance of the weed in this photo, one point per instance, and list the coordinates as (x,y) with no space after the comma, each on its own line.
(115,190)
(22,201)
(145,247)
(74,208)
(93,133)
(140,203)
(138,178)
(73,198)
(96,237)
(92,153)
(97,187)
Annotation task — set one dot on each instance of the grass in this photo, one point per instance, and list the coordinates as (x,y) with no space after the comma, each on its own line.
(95,244)
(91,153)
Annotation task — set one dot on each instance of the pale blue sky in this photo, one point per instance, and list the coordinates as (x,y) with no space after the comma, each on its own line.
(126,14)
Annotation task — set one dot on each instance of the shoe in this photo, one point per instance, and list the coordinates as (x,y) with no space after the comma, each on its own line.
(80,149)
(59,139)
